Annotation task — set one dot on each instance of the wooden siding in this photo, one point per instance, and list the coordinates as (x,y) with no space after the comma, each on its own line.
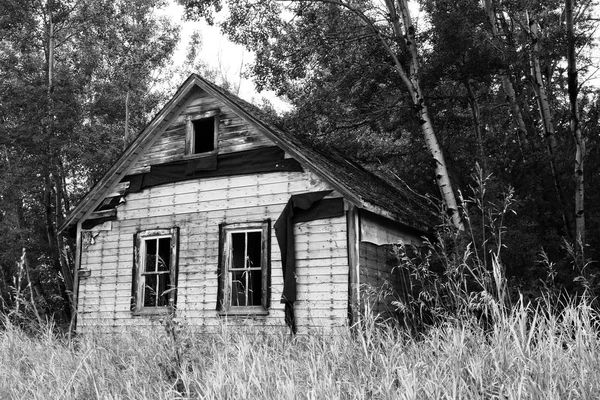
(197,207)
(234,134)
(382,280)
(380,231)
(322,274)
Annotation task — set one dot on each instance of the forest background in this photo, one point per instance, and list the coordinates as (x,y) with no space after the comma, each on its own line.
(473,102)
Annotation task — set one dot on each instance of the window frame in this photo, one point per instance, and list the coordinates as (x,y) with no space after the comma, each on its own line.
(225,259)
(190,136)
(138,273)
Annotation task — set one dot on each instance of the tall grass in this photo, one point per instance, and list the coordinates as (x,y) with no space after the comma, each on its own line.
(467,340)
(529,354)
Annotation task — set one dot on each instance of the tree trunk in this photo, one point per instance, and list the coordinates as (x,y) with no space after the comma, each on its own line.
(26,265)
(548,125)
(126,139)
(54,242)
(507,85)
(575,125)
(476,111)
(414,87)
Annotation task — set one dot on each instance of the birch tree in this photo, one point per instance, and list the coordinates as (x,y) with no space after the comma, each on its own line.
(573,89)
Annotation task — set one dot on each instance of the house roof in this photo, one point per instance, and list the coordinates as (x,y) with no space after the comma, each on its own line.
(363,188)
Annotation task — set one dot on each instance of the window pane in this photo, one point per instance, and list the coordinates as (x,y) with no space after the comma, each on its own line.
(254,288)
(238,288)
(150,291)
(238,248)
(164,282)
(254,249)
(150,255)
(164,252)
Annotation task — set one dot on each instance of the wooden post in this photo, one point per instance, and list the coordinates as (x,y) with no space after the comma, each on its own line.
(75,297)
(353,235)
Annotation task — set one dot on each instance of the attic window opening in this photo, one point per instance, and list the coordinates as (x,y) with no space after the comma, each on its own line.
(204,135)
(202,132)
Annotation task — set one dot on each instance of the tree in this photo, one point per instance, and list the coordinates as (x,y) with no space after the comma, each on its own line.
(57,130)
(573,90)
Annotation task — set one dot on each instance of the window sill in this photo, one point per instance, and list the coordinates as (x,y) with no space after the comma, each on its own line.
(200,155)
(152,311)
(244,312)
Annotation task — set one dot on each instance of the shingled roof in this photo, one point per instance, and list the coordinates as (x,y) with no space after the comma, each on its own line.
(363,188)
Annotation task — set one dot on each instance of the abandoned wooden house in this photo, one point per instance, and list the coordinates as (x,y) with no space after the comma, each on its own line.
(215,214)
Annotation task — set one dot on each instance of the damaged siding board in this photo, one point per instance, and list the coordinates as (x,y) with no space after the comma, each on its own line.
(381,277)
(197,208)
(380,273)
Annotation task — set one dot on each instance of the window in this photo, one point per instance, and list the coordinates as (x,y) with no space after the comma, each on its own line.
(244,267)
(155,271)
(201,133)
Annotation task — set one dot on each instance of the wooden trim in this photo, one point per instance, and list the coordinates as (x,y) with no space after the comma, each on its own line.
(75,299)
(137,288)
(266,256)
(134,272)
(190,134)
(151,311)
(353,235)
(220,270)
(120,190)
(174,270)
(244,312)
(224,290)
(103,214)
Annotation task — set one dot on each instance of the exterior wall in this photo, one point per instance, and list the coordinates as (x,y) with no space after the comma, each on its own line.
(322,274)
(198,207)
(381,278)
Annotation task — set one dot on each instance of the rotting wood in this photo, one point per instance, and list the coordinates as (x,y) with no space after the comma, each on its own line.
(353,237)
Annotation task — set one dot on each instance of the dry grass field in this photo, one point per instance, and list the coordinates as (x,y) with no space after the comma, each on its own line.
(527,354)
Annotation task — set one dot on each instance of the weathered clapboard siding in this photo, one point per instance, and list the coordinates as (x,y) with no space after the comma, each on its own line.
(381,277)
(197,207)
(234,134)
(322,274)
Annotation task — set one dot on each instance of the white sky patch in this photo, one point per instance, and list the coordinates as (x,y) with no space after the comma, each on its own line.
(229,59)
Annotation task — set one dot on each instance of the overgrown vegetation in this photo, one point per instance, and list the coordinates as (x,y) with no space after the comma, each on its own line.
(543,352)
(458,333)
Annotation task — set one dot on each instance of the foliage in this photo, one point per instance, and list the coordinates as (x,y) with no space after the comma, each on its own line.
(75,76)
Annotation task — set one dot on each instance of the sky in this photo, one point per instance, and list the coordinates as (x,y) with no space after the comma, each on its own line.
(218,52)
